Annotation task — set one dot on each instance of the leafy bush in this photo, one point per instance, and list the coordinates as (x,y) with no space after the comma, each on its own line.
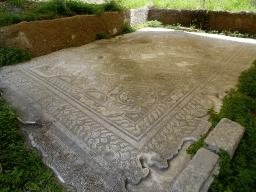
(247,81)
(13,56)
(238,107)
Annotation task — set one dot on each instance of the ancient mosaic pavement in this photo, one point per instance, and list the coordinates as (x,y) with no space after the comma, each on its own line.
(128,99)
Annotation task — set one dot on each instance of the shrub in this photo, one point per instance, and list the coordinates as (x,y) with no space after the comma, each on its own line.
(13,56)
(247,81)
(237,107)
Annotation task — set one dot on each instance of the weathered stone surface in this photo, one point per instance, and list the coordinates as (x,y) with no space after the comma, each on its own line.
(243,21)
(197,176)
(122,109)
(227,136)
(19,42)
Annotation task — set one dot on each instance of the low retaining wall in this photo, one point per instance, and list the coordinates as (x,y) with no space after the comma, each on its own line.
(243,21)
(47,36)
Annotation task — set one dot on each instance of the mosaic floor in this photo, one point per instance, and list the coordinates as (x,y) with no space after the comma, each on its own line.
(123,107)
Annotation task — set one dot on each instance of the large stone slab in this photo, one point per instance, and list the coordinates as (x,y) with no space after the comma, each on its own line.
(120,111)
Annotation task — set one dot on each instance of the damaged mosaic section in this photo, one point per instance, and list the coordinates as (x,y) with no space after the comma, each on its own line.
(120,106)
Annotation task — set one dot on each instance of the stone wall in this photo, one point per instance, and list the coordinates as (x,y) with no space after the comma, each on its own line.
(47,36)
(243,21)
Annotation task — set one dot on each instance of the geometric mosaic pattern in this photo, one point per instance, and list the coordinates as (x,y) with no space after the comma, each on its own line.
(120,115)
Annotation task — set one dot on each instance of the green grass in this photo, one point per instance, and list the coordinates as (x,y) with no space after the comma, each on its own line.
(23,166)
(20,165)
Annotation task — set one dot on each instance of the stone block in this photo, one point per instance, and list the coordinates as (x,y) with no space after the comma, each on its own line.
(197,172)
(226,135)
(197,176)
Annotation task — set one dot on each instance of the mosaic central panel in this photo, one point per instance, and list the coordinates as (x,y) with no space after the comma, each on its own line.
(132,107)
